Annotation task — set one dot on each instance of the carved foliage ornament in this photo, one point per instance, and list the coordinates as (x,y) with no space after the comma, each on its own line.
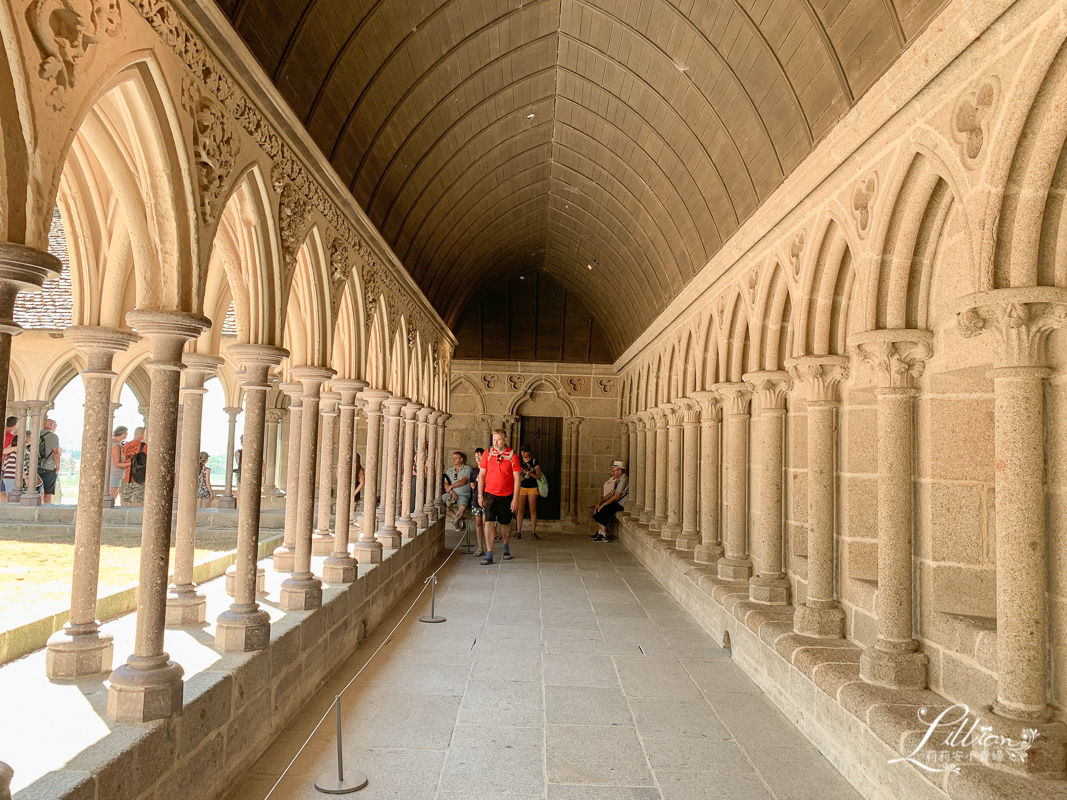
(215,149)
(970,121)
(820,375)
(293,217)
(1020,328)
(862,196)
(65,32)
(795,250)
(898,364)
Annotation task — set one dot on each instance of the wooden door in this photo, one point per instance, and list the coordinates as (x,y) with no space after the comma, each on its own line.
(545,437)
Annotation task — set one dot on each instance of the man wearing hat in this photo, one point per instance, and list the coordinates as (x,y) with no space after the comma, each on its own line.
(615,490)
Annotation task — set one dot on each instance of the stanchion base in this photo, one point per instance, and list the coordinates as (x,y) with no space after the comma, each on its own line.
(428,618)
(328,783)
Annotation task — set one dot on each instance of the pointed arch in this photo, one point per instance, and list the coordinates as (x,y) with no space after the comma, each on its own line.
(738,344)
(774,310)
(349,343)
(823,321)
(548,383)
(308,318)
(465,380)
(398,360)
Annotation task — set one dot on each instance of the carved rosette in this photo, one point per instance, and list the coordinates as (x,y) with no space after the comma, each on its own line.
(735,397)
(770,388)
(65,34)
(820,375)
(898,357)
(1020,321)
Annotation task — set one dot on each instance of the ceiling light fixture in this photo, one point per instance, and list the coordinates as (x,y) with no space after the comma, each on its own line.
(595,263)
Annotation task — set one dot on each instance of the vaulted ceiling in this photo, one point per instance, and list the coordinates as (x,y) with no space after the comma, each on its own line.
(492,138)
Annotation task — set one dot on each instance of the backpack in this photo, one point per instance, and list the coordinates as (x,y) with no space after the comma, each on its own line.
(41,452)
(138,465)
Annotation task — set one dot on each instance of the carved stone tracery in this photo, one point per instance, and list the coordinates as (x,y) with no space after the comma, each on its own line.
(65,32)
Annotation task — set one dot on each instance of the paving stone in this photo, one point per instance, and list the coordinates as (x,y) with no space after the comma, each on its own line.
(599,756)
(579,669)
(659,718)
(501,702)
(644,676)
(584,705)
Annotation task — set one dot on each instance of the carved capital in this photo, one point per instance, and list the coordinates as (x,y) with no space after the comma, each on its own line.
(735,397)
(275,415)
(710,405)
(1020,321)
(820,376)
(690,410)
(674,414)
(770,387)
(659,418)
(898,357)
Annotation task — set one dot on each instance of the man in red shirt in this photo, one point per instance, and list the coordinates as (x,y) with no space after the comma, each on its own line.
(499,473)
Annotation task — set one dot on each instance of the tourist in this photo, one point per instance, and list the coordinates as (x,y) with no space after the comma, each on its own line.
(528,493)
(615,490)
(118,466)
(48,456)
(458,490)
(361,478)
(136,452)
(204,493)
(476,507)
(11,425)
(498,492)
(10,467)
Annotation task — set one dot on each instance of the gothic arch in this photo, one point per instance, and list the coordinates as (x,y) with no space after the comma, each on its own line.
(738,343)
(308,328)
(349,354)
(549,384)
(774,334)
(464,380)
(822,327)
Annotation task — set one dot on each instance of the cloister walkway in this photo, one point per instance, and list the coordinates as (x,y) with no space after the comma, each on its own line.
(567,673)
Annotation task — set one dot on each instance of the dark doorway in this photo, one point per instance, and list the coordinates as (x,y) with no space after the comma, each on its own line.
(545,437)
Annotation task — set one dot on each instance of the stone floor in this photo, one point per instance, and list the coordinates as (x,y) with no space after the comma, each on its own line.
(567,673)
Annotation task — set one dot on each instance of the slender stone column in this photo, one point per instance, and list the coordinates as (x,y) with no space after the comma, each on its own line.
(186,606)
(302,591)
(322,539)
(284,557)
(368,548)
(439,465)
(149,685)
(245,626)
(735,564)
(81,648)
(510,423)
(355,510)
(574,425)
(228,500)
(637,470)
(388,534)
(37,409)
(771,585)
(689,537)
(107,501)
(710,549)
(820,614)
(486,429)
(21,411)
(341,567)
(431,461)
(648,510)
(422,513)
(406,523)
(1019,322)
(660,470)
(270,479)
(634,465)
(672,528)
(898,358)
(624,440)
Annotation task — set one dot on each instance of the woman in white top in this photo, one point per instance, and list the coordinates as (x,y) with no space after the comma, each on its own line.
(118,466)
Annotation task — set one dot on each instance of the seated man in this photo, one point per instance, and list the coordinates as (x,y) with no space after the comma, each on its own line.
(458,490)
(615,490)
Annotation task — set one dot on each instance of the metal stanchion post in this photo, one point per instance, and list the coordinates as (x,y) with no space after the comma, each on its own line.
(468,548)
(328,783)
(432,616)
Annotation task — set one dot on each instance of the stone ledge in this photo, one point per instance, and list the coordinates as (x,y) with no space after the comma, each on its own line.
(234,709)
(814,682)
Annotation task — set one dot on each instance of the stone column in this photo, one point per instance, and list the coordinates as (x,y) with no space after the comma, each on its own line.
(486,423)
(689,537)
(660,470)
(648,510)
(368,548)
(388,535)
(30,497)
(634,462)
(22,412)
(270,479)
(439,465)
(406,523)
(186,606)
(637,470)
(624,440)
(322,539)
(510,423)
(820,615)
(284,557)
(710,549)
(574,424)
(355,510)
(81,648)
(341,567)
(431,460)
(149,685)
(107,501)
(228,500)
(302,591)
(245,626)
(771,585)
(735,565)
(672,528)
(422,513)
(898,358)
(1019,322)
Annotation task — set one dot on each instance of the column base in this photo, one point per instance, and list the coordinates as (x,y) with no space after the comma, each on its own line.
(231,580)
(821,622)
(646,516)
(186,607)
(107,501)
(735,569)
(1046,758)
(322,543)
(142,694)
(228,502)
(687,540)
(708,553)
(31,499)
(301,593)
(390,540)
(242,629)
(895,669)
(655,524)
(773,591)
(368,552)
(15,496)
(670,530)
(421,521)
(71,654)
(339,567)
(284,559)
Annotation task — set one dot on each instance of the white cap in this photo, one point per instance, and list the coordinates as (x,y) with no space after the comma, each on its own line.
(618,464)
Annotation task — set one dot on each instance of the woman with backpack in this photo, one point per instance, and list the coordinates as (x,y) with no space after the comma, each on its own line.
(135,452)
(528,493)
(118,463)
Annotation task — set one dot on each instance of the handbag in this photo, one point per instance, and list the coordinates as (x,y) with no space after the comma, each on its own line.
(542,485)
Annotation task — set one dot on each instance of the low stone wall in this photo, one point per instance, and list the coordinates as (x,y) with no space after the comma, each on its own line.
(859,727)
(235,709)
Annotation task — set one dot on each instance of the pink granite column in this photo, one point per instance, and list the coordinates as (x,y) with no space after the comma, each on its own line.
(710,549)
(38,409)
(284,556)
(270,477)
(634,464)
(575,424)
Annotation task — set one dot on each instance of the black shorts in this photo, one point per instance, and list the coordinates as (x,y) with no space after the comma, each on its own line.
(498,508)
(48,480)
